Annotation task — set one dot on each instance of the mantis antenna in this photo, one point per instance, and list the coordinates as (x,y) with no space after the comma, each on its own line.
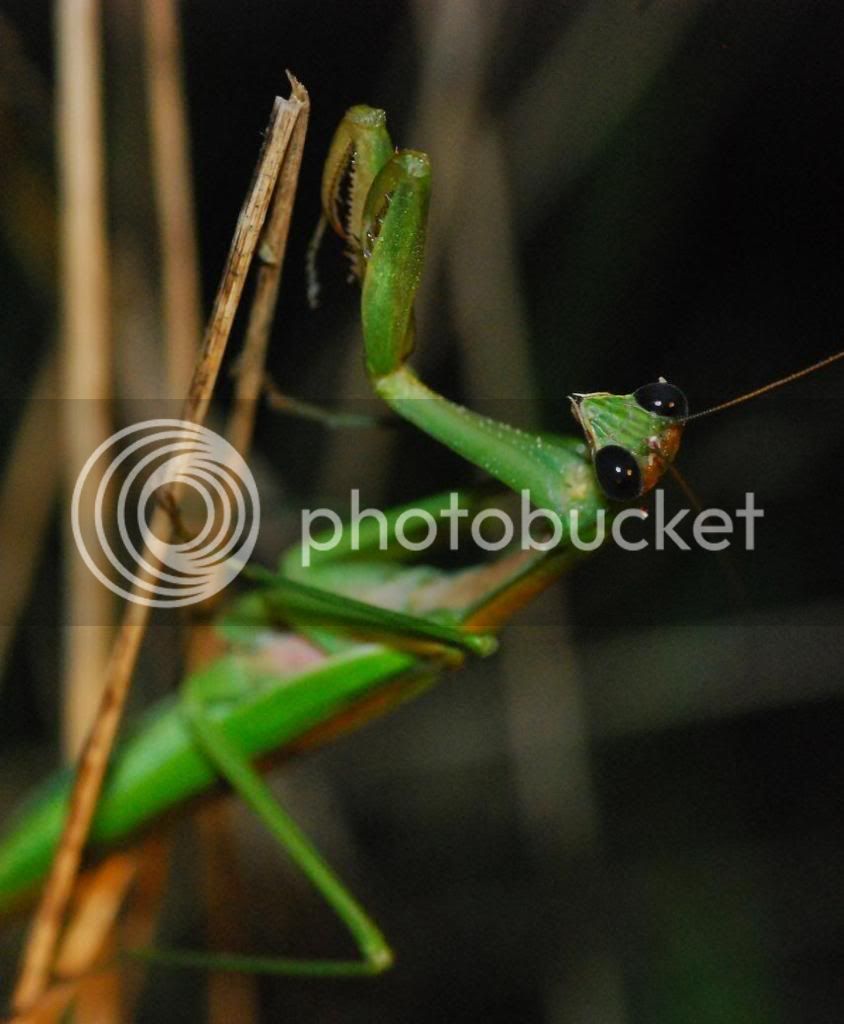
(768,387)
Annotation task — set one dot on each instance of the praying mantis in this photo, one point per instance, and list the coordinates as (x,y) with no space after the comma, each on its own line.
(316,651)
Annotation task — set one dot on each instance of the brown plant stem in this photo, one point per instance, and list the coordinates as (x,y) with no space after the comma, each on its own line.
(84,339)
(173,193)
(49,917)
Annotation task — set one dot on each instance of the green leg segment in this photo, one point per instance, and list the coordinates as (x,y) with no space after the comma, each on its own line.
(376,955)
(303,605)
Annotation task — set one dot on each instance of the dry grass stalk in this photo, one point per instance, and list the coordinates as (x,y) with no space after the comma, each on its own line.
(85,338)
(93,992)
(235,996)
(173,193)
(251,376)
(39,951)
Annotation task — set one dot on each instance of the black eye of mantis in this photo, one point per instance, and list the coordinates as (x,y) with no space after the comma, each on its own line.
(663,399)
(618,473)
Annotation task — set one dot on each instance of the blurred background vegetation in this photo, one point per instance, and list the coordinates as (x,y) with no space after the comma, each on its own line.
(632,814)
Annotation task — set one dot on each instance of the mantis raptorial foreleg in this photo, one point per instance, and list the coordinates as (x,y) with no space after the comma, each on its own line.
(630,439)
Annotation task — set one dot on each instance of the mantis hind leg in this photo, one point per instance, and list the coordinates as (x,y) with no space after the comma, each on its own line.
(375,954)
(307,607)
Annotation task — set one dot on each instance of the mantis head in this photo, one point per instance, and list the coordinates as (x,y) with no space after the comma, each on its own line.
(633,438)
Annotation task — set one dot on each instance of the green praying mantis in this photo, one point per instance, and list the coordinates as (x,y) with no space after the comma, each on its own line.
(316,651)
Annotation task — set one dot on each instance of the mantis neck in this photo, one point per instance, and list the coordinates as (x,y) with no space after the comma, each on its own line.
(555,470)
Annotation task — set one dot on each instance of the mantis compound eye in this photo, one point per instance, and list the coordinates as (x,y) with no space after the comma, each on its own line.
(664,399)
(618,473)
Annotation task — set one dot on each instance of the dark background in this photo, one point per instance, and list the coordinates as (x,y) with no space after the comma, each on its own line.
(633,813)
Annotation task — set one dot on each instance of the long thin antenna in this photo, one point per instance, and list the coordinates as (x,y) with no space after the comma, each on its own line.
(768,387)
